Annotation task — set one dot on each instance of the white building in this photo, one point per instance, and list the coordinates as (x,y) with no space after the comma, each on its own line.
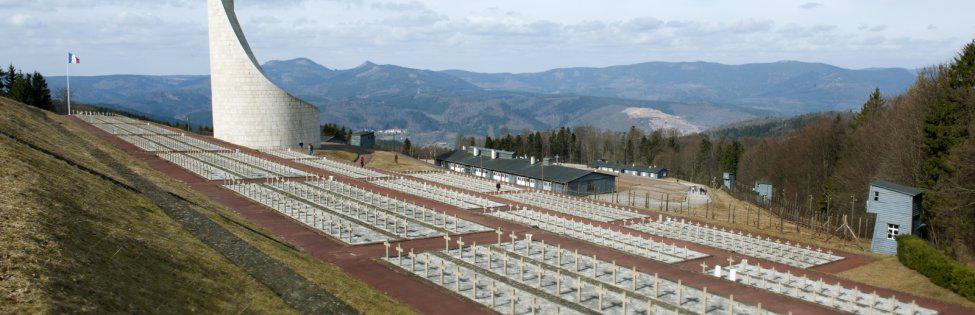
(248,109)
(898,210)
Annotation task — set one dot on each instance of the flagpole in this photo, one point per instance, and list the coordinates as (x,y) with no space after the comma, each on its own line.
(67,70)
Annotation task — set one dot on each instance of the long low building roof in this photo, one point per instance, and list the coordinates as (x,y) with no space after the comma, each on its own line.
(519,167)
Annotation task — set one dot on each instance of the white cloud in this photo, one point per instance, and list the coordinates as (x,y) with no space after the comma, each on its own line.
(119,36)
(23,20)
(810,5)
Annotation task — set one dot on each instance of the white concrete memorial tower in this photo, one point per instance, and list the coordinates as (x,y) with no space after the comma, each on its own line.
(248,109)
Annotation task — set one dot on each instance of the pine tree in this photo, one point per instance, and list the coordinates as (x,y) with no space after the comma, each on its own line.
(703,154)
(962,73)
(945,124)
(407,146)
(3,84)
(40,94)
(870,108)
(730,156)
(10,77)
(20,89)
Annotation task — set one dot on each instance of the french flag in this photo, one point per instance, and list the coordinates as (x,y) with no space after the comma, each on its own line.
(72,58)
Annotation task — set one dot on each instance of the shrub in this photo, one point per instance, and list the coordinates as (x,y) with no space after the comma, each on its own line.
(920,256)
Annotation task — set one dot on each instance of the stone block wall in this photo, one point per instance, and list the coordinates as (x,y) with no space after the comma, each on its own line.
(248,109)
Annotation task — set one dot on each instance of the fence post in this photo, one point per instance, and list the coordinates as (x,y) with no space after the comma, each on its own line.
(758,220)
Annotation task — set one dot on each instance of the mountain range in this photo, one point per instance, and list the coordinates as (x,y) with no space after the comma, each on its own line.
(438,105)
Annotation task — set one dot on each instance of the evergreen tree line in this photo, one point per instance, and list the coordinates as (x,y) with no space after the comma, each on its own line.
(334,130)
(27,88)
(585,144)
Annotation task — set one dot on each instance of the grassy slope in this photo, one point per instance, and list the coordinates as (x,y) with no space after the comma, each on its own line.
(79,243)
(343,156)
(890,273)
(385,160)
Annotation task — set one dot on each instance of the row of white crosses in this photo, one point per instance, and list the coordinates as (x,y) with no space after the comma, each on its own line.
(619,239)
(107,118)
(423,215)
(288,154)
(103,118)
(170,143)
(475,283)
(216,160)
(204,145)
(161,143)
(338,225)
(579,207)
(157,130)
(755,246)
(145,144)
(343,169)
(818,291)
(454,198)
(123,129)
(463,181)
(264,164)
(201,168)
(373,208)
(554,275)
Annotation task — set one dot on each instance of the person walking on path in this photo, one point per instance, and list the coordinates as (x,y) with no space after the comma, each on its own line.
(396,158)
(497,186)
(362,161)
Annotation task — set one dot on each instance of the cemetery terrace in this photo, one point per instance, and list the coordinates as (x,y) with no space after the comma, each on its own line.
(170,143)
(230,165)
(463,181)
(624,242)
(343,169)
(835,295)
(288,154)
(350,214)
(512,273)
(754,246)
(454,198)
(575,206)
(526,276)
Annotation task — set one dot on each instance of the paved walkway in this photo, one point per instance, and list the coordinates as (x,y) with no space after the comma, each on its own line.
(362,261)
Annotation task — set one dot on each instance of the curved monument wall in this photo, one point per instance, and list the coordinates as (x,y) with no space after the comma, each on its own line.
(248,109)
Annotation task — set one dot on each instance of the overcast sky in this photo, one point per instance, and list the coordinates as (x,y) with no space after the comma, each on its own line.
(170,36)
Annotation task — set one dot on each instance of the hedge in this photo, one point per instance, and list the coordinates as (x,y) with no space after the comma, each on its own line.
(944,271)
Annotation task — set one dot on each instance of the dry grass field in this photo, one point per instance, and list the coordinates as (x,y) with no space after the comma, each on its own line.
(385,160)
(889,273)
(344,156)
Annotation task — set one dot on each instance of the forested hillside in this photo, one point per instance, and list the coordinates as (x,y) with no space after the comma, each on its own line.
(823,162)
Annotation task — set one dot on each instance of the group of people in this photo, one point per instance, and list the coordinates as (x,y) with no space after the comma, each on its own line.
(311,147)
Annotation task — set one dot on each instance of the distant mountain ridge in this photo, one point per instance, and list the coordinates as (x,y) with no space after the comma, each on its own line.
(437,105)
(787,87)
